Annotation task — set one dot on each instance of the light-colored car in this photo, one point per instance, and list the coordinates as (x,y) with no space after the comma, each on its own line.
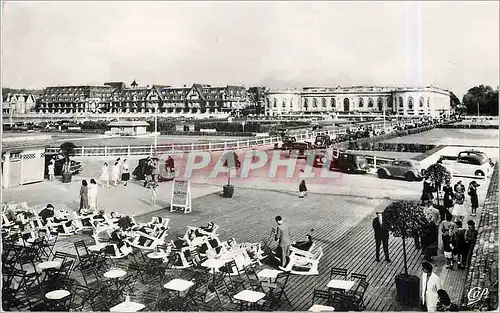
(469,163)
(407,169)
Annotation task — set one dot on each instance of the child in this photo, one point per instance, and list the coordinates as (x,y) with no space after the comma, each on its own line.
(448,249)
(458,241)
(153,193)
(51,170)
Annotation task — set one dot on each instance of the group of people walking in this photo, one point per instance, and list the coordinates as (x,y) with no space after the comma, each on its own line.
(119,172)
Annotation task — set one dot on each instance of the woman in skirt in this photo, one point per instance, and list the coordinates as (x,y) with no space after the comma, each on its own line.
(125,172)
(459,208)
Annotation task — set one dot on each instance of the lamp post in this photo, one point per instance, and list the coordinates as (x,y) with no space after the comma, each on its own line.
(243,124)
(156,126)
(477,104)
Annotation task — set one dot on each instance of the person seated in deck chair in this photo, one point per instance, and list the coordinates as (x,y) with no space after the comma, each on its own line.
(46,213)
(209,228)
(304,245)
(186,240)
(125,222)
(118,237)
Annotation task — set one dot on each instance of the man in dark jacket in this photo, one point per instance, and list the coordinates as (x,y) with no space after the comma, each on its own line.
(381,236)
(282,235)
(47,213)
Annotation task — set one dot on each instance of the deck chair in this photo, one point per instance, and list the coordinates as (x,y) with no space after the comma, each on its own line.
(111,251)
(212,233)
(148,242)
(183,258)
(36,222)
(6,222)
(305,263)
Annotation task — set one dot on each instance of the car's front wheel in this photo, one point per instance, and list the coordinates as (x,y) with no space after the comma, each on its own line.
(410,176)
(381,173)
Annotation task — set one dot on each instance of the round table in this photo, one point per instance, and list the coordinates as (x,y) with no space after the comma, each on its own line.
(157,255)
(115,273)
(57,294)
(49,265)
(97,247)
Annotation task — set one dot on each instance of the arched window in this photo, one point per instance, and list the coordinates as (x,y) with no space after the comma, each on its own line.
(275,104)
(291,103)
(422,101)
(323,102)
(380,104)
(306,103)
(315,103)
(389,102)
(400,100)
(347,105)
(361,102)
(283,105)
(429,102)
(333,102)
(370,102)
(410,103)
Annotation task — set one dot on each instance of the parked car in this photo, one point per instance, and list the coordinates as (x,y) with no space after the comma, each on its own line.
(469,163)
(408,169)
(140,169)
(341,161)
(299,149)
(75,167)
(322,142)
(286,143)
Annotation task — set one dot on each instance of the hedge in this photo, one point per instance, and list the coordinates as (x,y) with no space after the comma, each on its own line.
(345,145)
(428,153)
(469,126)
(386,146)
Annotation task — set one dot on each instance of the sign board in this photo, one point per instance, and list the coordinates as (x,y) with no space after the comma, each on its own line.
(181,196)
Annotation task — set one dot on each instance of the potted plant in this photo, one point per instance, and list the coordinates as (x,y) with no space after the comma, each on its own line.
(438,174)
(231,161)
(67,150)
(404,219)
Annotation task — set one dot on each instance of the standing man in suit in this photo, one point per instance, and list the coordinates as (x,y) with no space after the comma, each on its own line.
(381,236)
(283,237)
(430,284)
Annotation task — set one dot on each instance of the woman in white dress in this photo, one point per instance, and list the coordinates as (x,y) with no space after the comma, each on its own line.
(104,178)
(92,195)
(115,173)
(459,210)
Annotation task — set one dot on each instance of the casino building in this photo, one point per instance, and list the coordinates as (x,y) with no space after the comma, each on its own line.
(404,101)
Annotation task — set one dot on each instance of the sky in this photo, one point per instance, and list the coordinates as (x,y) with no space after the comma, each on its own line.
(452,45)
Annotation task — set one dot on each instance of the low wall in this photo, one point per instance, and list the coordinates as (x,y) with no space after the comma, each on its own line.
(483,267)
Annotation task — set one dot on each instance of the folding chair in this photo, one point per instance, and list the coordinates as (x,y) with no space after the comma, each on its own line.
(279,287)
(337,271)
(85,259)
(322,297)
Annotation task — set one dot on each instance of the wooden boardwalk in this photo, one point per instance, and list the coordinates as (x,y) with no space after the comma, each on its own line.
(342,226)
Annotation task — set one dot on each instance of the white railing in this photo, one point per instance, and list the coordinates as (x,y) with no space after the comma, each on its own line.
(174,148)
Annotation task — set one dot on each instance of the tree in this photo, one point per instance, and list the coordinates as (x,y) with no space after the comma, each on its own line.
(438,174)
(483,97)
(231,161)
(67,150)
(404,219)
(454,101)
